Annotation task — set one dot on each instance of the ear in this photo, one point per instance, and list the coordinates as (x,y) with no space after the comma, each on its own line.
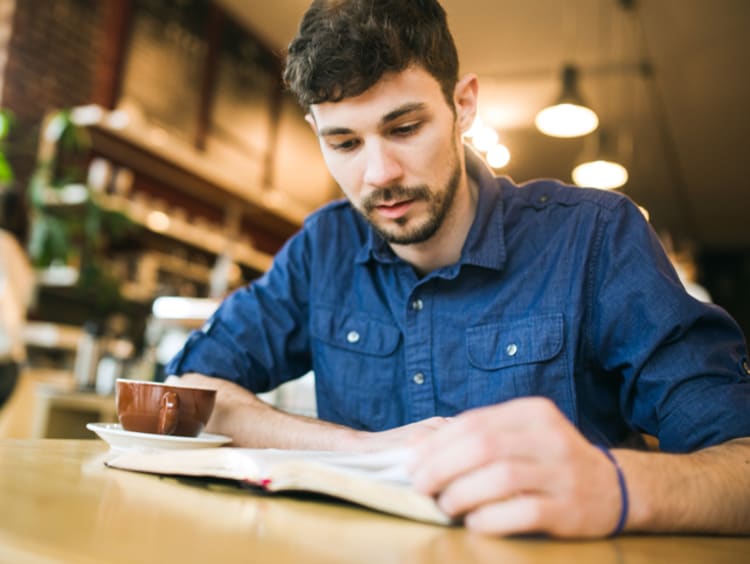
(465,98)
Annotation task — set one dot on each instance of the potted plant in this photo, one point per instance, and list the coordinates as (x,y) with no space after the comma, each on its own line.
(69,227)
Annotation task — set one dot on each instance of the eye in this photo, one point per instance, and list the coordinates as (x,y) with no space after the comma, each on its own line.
(407,129)
(348,145)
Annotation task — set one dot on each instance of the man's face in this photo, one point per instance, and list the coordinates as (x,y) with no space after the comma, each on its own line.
(394,150)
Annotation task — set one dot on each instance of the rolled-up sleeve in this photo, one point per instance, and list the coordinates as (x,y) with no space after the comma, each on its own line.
(258,337)
(683,363)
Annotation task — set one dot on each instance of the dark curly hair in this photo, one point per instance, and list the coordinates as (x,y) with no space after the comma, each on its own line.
(343,47)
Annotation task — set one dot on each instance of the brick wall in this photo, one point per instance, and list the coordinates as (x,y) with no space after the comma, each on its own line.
(6,26)
(52,55)
(51,61)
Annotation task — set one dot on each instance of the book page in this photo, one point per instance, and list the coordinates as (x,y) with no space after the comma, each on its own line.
(378,480)
(382,466)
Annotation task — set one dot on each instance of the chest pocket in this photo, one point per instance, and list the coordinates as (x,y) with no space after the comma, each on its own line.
(525,341)
(517,358)
(355,332)
(356,362)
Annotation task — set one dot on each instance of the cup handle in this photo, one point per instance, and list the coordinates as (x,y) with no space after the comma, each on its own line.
(169,409)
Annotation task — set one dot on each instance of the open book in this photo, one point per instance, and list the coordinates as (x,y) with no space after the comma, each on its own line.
(375,480)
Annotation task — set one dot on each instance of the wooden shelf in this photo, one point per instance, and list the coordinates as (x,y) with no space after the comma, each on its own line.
(185,232)
(188,210)
(181,230)
(51,335)
(192,173)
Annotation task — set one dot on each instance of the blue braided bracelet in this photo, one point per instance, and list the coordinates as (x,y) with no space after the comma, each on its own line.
(623,492)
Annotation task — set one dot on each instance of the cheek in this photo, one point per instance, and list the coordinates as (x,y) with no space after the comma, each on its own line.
(344,172)
(434,165)
(436,155)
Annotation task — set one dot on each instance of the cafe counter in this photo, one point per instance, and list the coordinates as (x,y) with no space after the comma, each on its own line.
(61,504)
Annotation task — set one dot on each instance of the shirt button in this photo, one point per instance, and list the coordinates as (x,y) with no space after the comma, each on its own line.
(511,349)
(417,305)
(352,337)
(418,378)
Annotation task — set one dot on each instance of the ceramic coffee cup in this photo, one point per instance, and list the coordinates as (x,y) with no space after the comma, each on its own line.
(153,407)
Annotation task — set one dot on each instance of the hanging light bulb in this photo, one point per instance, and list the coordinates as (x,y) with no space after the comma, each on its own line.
(600,174)
(498,156)
(485,138)
(599,167)
(569,116)
(475,127)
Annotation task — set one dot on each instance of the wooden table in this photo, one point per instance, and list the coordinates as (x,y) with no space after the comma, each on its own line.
(58,503)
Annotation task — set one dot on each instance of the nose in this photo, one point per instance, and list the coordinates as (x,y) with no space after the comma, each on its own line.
(382,168)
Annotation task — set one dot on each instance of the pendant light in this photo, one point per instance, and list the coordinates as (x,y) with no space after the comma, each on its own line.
(599,166)
(604,152)
(486,141)
(568,116)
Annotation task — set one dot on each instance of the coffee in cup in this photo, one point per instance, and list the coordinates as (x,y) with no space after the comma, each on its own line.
(154,407)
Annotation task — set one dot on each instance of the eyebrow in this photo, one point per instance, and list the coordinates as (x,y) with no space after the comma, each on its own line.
(389,117)
(402,110)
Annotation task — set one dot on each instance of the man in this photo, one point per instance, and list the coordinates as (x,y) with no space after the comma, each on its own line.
(437,288)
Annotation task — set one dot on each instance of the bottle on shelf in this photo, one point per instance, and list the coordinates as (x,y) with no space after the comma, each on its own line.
(88,351)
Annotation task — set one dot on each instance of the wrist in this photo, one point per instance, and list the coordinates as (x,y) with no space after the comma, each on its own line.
(352,440)
(622,518)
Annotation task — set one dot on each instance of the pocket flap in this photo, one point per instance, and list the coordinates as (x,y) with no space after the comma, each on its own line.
(497,345)
(354,331)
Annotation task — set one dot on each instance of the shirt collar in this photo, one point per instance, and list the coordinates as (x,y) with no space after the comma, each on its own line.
(485,243)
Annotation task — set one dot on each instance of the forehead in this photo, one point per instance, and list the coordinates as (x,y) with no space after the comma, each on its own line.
(411,87)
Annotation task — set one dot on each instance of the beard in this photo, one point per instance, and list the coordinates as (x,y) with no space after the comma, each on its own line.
(402,233)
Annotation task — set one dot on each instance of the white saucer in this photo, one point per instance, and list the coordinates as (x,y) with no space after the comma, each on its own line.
(120,439)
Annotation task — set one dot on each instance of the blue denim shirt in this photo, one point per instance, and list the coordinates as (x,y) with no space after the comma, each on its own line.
(560,292)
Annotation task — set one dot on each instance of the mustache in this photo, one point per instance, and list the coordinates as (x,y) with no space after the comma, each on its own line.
(397,192)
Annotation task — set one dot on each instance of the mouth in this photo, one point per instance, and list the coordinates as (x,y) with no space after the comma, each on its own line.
(394,210)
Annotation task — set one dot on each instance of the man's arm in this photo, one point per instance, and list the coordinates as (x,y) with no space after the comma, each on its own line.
(251,422)
(522,467)
(705,491)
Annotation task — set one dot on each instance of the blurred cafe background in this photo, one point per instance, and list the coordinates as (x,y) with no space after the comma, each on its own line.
(161,164)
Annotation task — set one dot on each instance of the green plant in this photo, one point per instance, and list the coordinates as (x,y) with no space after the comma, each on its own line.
(6,171)
(68,225)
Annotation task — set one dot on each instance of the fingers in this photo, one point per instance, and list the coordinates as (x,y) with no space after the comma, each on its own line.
(422,429)
(518,515)
(526,514)
(496,482)
(400,437)
(433,472)
(508,498)
(518,467)
(510,416)
(433,423)
(520,430)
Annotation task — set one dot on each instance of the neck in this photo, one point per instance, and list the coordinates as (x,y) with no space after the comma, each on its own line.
(444,247)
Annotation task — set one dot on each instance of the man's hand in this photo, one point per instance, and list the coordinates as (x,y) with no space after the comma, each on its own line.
(252,423)
(519,467)
(400,437)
